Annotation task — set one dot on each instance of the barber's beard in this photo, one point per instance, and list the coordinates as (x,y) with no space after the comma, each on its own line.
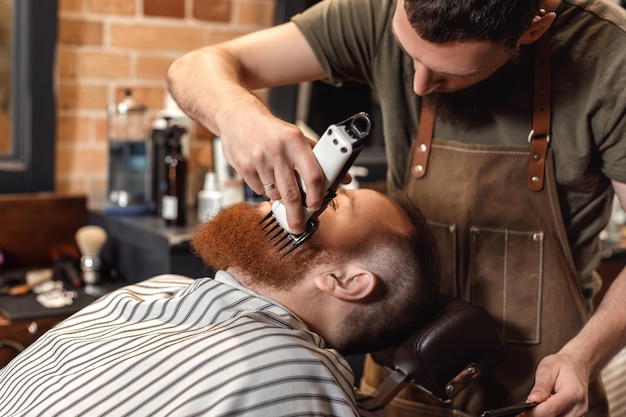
(473,106)
(233,239)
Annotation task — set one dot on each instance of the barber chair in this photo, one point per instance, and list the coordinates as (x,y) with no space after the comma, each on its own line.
(459,343)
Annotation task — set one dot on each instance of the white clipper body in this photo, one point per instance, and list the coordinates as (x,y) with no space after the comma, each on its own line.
(335,152)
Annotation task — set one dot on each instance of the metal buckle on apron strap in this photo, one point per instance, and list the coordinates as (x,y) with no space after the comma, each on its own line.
(538,150)
(532,136)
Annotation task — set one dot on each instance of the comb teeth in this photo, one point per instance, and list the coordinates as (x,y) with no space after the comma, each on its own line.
(283,241)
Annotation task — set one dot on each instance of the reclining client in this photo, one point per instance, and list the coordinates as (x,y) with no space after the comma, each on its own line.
(264,337)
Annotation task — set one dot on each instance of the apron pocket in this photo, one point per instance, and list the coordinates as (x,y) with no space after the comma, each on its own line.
(505,278)
(446,236)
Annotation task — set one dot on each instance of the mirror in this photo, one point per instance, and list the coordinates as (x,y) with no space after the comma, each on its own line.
(6,41)
(28,33)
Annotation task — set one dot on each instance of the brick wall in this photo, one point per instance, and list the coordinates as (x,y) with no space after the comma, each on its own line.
(106,46)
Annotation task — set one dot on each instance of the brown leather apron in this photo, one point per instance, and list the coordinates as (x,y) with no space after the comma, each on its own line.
(495,214)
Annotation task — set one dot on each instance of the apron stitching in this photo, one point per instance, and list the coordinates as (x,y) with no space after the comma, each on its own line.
(540,279)
(479,151)
(439,224)
(504,283)
(506,230)
(540,291)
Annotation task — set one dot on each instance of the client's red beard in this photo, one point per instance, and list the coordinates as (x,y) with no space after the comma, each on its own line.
(233,238)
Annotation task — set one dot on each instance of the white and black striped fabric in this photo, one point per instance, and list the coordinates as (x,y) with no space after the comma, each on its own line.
(614,379)
(173,346)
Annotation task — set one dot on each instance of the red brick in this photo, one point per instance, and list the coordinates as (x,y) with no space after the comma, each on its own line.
(102,64)
(67,63)
(81,160)
(70,5)
(223,35)
(255,13)
(119,7)
(153,67)
(79,32)
(72,128)
(76,96)
(212,10)
(157,37)
(165,8)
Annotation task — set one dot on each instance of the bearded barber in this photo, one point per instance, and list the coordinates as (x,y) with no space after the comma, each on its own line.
(504,122)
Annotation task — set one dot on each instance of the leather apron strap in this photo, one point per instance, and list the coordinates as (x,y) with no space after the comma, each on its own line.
(539,136)
(424,140)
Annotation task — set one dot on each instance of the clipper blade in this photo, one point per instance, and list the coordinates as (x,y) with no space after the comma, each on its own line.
(283,241)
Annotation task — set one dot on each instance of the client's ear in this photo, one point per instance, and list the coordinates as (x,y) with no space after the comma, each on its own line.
(350,283)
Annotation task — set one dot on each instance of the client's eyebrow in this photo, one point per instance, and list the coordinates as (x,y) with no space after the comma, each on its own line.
(350,196)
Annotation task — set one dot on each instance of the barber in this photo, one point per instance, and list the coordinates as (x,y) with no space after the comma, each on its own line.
(504,122)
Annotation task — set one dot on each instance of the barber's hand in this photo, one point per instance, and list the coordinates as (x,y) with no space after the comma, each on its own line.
(561,387)
(266,151)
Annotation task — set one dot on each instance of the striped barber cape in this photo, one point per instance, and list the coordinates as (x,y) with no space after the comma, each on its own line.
(173,346)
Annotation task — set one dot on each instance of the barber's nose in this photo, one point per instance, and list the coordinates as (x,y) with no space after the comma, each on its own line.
(424,81)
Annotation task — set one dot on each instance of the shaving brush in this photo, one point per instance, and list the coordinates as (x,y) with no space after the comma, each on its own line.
(90,240)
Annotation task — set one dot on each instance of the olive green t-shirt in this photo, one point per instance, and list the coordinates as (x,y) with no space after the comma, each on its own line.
(353,40)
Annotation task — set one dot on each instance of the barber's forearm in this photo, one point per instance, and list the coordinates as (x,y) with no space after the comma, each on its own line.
(207,85)
(605,333)
(213,84)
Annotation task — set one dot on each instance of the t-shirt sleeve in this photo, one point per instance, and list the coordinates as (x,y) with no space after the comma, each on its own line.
(345,35)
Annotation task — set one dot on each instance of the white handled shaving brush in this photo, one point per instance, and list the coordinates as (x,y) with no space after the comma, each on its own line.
(90,240)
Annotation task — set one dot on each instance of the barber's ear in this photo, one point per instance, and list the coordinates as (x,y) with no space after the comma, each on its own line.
(537,28)
(352,283)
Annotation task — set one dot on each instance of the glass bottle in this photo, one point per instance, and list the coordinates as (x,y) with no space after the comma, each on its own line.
(173,205)
(129,185)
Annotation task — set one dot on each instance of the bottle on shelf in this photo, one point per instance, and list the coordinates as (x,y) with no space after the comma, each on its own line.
(129,181)
(173,204)
(210,198)
(168,116)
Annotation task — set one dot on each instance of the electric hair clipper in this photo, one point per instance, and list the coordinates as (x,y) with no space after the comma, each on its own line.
(335,152)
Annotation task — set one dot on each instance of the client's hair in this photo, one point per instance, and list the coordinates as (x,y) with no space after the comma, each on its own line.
(406,293)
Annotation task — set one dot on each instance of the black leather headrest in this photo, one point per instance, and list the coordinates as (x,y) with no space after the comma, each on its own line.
(460,341)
